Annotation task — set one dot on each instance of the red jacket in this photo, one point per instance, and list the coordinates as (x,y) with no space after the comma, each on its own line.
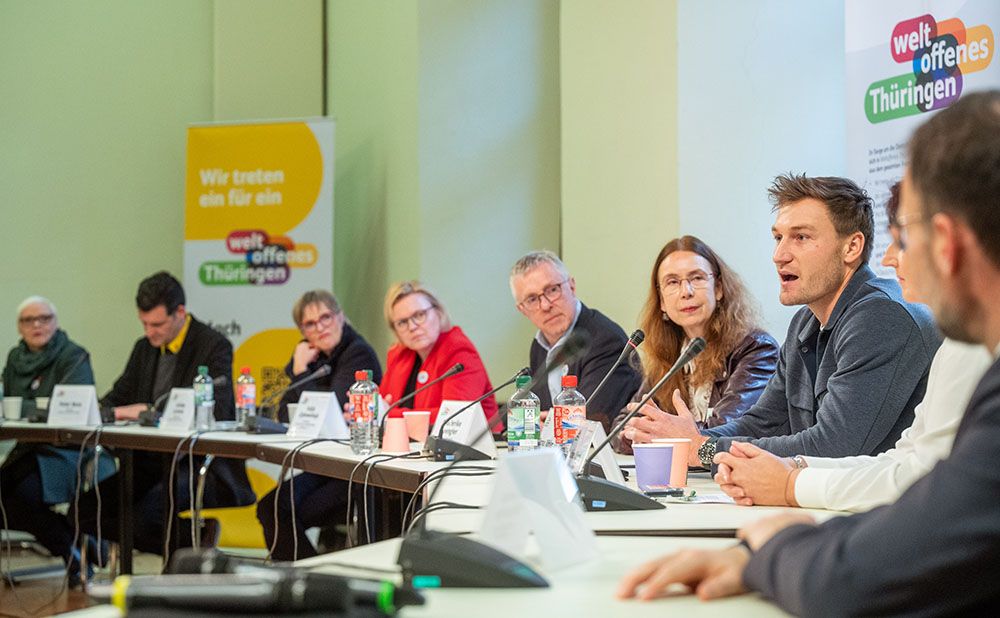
(451,347)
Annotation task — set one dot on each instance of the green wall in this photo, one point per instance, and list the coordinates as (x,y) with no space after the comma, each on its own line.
(447,153)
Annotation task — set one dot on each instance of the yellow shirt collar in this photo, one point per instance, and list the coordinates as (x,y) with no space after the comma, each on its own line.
(175,345)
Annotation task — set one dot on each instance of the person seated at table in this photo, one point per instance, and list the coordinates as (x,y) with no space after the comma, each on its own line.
(545,293)
(754,476)
(168,356)
(37,477)
(428,345)
(694,293)
(328,339)
(855,358)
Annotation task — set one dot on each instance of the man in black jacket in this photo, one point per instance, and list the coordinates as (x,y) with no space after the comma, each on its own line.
(935,551)
(546,294)
(168,356)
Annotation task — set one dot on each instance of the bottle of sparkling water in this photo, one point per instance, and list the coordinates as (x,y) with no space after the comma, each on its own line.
(569,410)
(204,400)
(523,430)
(363,395)
(246,397)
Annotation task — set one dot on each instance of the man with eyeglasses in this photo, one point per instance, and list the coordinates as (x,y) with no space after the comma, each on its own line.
(168,356)
(546,294)
(855,360)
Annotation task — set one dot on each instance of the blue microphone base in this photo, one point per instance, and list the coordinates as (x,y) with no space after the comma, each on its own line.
(603,495)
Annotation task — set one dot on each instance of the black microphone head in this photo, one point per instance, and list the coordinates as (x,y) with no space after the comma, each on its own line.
(577,343)
(637,338)
(693,349)
(525,371)
(457,368)
(323,371)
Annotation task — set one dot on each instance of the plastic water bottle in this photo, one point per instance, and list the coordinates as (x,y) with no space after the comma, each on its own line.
(569,410)
(246,397)
(204,400)
(523,431)
(363,395)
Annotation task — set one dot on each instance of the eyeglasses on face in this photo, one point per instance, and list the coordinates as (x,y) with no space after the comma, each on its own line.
(672,285)
(319,323)
(900,224)
(416,319)
(41,320)
(551,293)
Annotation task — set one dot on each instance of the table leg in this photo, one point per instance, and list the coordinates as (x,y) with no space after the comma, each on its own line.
(126,493)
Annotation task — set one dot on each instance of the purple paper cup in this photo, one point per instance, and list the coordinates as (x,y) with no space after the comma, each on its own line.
(652,465)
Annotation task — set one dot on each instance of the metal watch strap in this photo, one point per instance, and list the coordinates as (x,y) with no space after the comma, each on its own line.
(706,452)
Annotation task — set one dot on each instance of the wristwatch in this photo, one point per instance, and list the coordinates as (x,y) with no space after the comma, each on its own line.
(706,452)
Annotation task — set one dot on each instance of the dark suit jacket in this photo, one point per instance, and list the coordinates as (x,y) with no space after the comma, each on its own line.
(352,354)
(227,480)
(607,340)
(935,552)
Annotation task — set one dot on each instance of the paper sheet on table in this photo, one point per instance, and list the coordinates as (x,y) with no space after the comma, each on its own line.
(702,499)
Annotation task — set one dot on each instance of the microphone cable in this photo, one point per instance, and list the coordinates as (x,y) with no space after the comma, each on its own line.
(364,492)
(439,475)
(439,506)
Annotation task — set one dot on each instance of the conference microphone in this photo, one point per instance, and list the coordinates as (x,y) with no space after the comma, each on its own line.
(603,495)
(151,415)
(445,450)
(457,561)
(632,345)
(455,369)
(272,591)
(322,372)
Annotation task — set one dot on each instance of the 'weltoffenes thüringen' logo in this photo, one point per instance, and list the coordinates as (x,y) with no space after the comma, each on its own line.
(939,54)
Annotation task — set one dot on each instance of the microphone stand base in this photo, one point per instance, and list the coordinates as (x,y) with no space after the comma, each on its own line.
(442,449)
(439,559)
(603,495)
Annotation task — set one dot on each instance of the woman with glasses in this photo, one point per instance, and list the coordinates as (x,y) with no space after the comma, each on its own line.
(428,345)
(327,339)
(693,293)
(36,477)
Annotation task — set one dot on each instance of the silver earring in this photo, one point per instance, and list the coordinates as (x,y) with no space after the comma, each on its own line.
(666,318)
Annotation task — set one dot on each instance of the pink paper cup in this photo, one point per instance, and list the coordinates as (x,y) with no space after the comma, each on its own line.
(653,465)
(679,464)
(418,424)
(395,440)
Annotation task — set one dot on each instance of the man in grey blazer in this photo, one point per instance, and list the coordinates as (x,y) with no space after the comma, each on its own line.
(935,550)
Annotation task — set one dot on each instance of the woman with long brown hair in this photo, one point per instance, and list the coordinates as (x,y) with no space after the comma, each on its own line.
(694,293)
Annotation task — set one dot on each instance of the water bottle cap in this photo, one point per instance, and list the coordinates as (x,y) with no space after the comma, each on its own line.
(522,381)
(569,381)
(245,371)
(203,370)
(361,374)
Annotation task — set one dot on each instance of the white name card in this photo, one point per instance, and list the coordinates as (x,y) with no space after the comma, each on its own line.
(178,414)
(465,427)
(318,416)
(535,511)
(75,405)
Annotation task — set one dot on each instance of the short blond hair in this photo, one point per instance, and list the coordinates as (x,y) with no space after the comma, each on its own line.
(314,297)
(399,291)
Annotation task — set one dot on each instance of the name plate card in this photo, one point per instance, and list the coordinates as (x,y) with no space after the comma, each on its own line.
(178,415)
(319,415)
(74,405)
(465,427)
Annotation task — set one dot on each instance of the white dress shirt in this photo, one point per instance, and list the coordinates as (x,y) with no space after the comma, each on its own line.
(864,482)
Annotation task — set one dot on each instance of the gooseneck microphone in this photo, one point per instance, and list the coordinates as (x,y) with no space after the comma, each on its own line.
(632,345)
(444,450)
(458,561)
(220,586)
(455,369)
(602,495)
(322,372)
(151,415)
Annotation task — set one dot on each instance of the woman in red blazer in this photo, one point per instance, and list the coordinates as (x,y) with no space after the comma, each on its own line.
(428,346)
